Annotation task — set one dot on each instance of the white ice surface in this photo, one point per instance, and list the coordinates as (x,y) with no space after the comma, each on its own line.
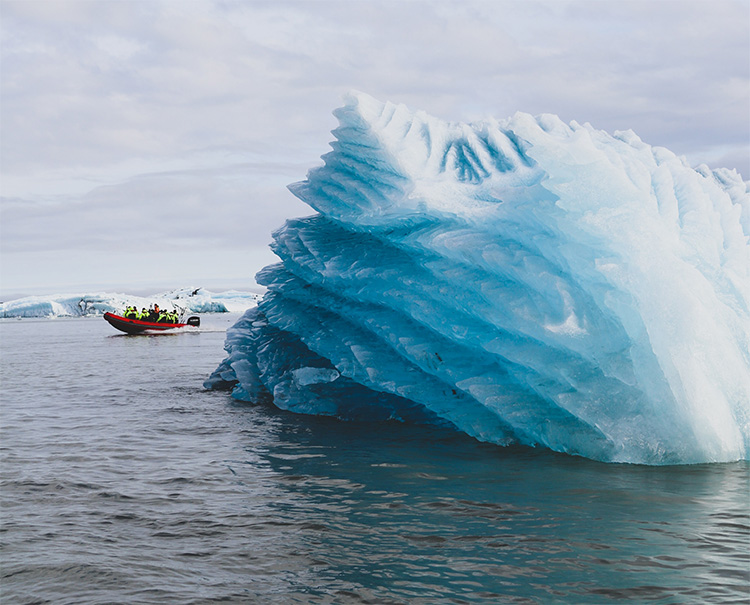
(72,305)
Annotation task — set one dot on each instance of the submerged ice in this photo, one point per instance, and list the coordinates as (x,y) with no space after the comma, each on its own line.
(524,281)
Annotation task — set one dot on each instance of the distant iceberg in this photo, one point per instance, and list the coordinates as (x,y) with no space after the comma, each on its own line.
(72,305)
(524,281)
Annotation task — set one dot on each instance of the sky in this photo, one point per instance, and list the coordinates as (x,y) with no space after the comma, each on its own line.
(147,144)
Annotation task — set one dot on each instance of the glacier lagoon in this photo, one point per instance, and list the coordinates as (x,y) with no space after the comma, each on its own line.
(523,281)
(124,481)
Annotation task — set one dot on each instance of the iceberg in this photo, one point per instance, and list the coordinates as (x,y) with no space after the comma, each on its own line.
(523,280)
(192,300)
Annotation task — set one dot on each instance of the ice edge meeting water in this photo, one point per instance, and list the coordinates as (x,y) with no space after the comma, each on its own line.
(523,281)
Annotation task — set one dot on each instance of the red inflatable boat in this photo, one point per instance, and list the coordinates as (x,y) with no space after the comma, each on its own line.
(136,326)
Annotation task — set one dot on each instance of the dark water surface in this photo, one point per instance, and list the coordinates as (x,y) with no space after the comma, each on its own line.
(123,481)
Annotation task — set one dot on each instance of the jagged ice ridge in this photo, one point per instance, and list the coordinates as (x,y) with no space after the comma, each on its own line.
(524,281)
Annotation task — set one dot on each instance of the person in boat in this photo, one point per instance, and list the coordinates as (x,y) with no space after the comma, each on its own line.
(166,317)
(131,313)
(153,315)
(144,314)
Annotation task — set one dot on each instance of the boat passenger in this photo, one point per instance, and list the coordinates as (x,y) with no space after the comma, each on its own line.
(154,314)
(144,314)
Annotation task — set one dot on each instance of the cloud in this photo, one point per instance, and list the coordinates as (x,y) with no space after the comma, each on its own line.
(198,114)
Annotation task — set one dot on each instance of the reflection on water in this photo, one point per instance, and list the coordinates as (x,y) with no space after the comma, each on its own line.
(124,481)
(432,515)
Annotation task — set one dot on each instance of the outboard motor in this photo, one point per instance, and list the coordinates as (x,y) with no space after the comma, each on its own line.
(194,321)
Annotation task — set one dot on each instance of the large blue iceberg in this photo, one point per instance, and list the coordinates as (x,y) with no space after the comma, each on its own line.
(524,281)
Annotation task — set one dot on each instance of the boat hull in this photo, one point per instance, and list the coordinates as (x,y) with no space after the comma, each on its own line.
(136,326)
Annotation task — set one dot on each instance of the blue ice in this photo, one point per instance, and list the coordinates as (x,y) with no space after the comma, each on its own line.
(523,281)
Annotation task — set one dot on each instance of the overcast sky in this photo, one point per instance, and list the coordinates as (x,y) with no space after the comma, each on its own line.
(147,144)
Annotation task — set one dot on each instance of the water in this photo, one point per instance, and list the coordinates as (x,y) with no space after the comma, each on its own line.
(123,481)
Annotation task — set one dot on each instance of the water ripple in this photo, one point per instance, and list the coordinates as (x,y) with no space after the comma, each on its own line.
(139,486)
